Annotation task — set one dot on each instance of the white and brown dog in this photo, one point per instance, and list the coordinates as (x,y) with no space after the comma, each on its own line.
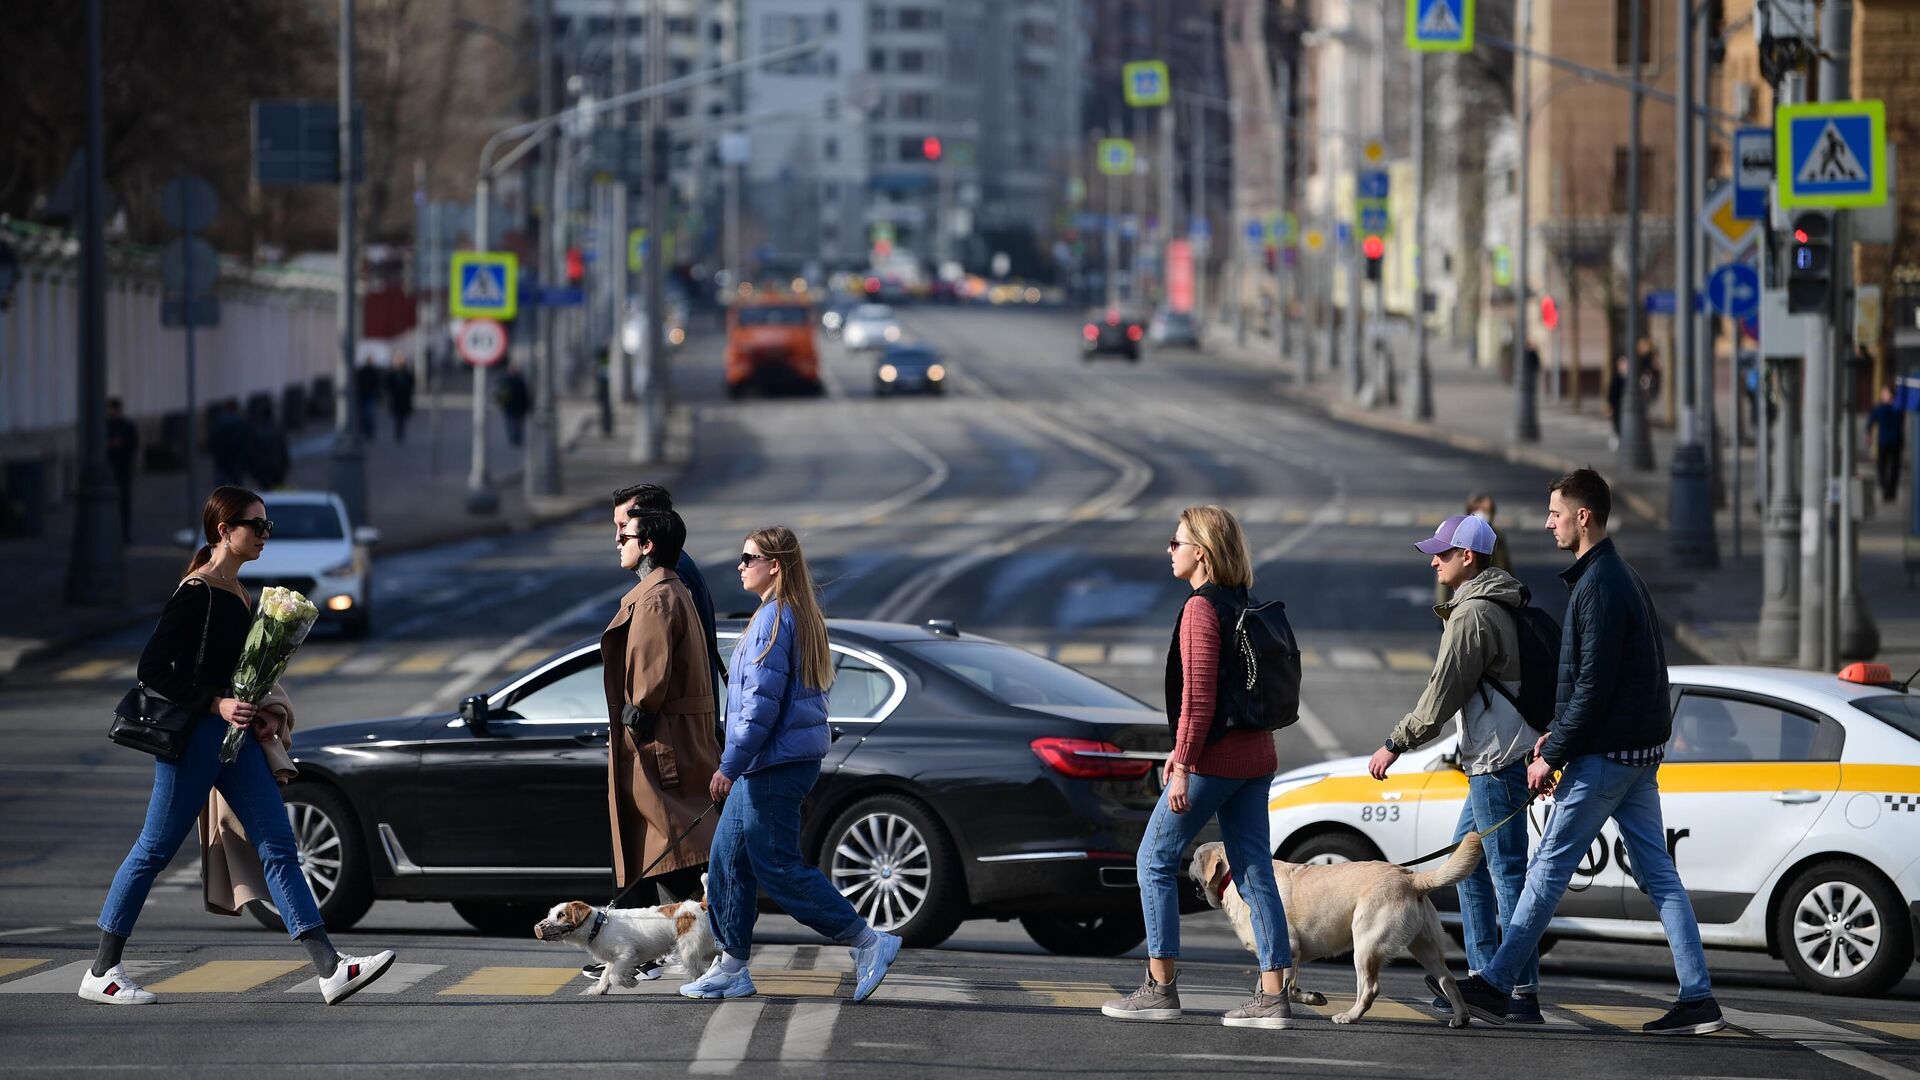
(626,939)
(1375,909)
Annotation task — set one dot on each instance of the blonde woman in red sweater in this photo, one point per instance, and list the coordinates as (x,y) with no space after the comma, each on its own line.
(1213,772)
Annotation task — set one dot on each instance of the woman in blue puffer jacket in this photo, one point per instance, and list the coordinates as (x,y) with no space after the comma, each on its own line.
(776,726)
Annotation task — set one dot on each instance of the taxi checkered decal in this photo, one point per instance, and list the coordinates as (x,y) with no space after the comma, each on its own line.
(1908,803)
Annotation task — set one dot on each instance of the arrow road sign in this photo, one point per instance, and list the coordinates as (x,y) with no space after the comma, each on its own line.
(1734,290)
(484,285)
(1752,171)
(1831,154)
(1439,25)
(1373,184)
(1729,231)
(1145,83)
(482,342)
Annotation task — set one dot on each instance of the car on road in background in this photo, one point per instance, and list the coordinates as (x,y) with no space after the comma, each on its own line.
(1791,802)
(1111,331)
(870,327)
(909,369)
(316,551)
(770,347)
(1174,328)
(966,779)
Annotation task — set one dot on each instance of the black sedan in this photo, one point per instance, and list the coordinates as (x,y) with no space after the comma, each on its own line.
(1111,331)
(967,779)
(909,369)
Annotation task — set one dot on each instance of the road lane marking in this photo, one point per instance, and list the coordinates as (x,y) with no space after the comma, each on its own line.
(512,982)
(1082,653)
(1896,1028)
(1070,995)
(319,663)
(92,669)
(425,663)
(226,976)
(1407,660)
(809,1033)
(798,983)
(1384,1008)
(398,977)
(462,683)
(1787,1026)
(1350,659)
(526,658)
(723,1045)
(14,965)
(1860,1059)
(371,663)
(1312,658)
(929,989)
(1320,735)
(1262,1059)
(1630,1017)
(65,980)
(1134,655)
(28,930)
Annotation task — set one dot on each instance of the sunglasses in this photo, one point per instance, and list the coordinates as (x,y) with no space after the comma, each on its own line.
(747,558)
(1174,542)
(624,537)
(261,526)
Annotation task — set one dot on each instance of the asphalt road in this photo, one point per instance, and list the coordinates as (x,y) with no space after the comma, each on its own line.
(1032,502)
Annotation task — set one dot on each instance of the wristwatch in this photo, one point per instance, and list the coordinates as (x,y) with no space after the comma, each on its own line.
(1394,747)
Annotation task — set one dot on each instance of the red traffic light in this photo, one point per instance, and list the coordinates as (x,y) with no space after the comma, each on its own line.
(576,265)
(1373,247)
(1549,312)
(930,148)
(1799,236)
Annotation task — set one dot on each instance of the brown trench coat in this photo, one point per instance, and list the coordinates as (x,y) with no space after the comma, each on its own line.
(654,655)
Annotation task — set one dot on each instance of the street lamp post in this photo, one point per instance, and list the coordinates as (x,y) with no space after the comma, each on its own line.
(542,471)
(349,453)
(1636,445)
(1690,537)
(1420,400)
(1526,380)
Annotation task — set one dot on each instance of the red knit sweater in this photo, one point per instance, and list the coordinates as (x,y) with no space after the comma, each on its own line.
(1235,755)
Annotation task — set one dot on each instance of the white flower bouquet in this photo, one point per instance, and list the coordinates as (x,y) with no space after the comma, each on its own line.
(280,623)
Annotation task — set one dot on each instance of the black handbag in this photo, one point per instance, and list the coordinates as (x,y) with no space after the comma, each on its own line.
(151,724)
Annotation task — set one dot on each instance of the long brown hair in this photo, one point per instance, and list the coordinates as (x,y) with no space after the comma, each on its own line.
(793,586)
(226,503)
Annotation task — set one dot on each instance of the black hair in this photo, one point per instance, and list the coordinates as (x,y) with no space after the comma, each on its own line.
(1584,487)
(650,496)
(667,531)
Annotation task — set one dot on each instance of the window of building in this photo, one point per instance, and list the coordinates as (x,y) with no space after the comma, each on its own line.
(911,148)
(913,106)
(917,60)
(876,59)
(784,31)
(877,150)
(914,18)
(680,24)
(1623,31)
(877,18)
(830,148)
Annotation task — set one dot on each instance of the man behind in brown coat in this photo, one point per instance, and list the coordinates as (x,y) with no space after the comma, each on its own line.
(661,745)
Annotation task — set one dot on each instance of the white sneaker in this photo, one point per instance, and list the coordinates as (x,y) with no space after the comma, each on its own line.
(353,974)
(114,988)
(650,971)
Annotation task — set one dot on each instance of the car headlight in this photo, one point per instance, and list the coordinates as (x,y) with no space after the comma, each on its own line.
(855,335)
(630,338)
(887,373)
(342,602)
(676,335)
(935,373)
(892,333)
(831,320)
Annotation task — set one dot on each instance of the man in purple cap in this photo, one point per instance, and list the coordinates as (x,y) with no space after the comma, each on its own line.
(1476,677)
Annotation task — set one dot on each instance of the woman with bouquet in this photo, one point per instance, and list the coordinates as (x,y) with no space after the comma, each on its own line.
(190,660)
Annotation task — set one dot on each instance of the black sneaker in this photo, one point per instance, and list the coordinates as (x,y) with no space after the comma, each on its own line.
(1524,1009)
(1698,1017)
(1483,1000)
(1440,1002)
(593,971)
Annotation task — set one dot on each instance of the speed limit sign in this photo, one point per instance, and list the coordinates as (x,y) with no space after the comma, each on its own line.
(482,342)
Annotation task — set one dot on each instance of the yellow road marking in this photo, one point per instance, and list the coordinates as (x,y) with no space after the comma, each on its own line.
(92,669)
(1383,1009)
(1312,658)
(799,983)
(1896,1028)
(526,658)
(1407,660)
(10,965)
(316,663)
(1630,1017)
(513,981)
(226,976)
(1070,995)
(1082,654)
(424,663)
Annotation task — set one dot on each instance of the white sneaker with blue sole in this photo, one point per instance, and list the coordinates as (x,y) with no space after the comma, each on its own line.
(871,963)
(718,983)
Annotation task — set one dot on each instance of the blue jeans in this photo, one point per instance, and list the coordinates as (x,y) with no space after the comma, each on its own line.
(757,844)
(1241,806)
(180,791)
(1488,898)
(1593,789)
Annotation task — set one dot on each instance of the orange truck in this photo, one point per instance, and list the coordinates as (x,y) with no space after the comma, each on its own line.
(770,347)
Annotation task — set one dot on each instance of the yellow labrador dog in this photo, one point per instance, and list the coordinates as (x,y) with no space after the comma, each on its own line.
(1375,909)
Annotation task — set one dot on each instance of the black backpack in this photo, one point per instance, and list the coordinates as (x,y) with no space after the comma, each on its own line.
(1260,688)
(1539,638)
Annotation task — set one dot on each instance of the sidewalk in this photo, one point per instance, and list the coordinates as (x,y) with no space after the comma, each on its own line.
(1714,613)
(413,503)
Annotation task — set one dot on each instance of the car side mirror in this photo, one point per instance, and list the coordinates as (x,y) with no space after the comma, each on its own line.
(366,535)
(474,711)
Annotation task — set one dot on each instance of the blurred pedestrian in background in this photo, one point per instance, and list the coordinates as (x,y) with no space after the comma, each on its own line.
(515,402)
(400,395)
(123,442)
(267,456)
(1889,424)
(227,442)
(368,382)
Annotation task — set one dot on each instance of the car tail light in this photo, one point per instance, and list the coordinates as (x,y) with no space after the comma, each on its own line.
(1090,759)
(1133,332)
(1090,332)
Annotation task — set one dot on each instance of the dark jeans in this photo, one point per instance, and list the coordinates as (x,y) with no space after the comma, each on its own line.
(1887,467)
(516,427)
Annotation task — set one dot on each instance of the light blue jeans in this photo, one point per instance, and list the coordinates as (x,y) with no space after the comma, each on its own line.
(1241,806)
(757,844)
(1591,790)
(180,790)
(1488,897)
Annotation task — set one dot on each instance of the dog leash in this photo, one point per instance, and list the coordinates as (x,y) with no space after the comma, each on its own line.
(1455,846)
(671,844)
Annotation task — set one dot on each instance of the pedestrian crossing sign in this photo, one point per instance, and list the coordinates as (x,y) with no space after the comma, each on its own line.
(1116,157)
(485,285)
(1831,154)
(1439,25)
(1145,83)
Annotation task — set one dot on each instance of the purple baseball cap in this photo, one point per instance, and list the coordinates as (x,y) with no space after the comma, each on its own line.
(1459,531)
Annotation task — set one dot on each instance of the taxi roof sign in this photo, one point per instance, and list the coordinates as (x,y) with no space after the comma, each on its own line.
(1831,154)
(485,285)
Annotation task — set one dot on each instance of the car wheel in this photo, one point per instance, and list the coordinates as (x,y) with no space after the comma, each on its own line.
(1108,934)
(895,864)
(333,858)
(501,919)
(1843,930)
(1324,848)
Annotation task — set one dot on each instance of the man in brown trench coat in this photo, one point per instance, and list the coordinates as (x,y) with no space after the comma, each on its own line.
(661,745)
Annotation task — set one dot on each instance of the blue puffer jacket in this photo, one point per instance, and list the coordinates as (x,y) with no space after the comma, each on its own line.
(1613,666)
(773,717)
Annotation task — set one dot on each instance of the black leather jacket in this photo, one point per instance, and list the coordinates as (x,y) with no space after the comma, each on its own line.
(1613,667)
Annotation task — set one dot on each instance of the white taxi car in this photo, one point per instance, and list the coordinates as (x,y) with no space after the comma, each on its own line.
(1792,806)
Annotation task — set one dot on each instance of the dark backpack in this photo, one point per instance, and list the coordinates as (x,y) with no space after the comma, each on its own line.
(1539,638)
(1260,686)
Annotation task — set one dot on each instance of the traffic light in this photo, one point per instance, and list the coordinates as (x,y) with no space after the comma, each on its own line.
(1810,263)
(930,148)
(1549,313)
(576,266)
(1375,249)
